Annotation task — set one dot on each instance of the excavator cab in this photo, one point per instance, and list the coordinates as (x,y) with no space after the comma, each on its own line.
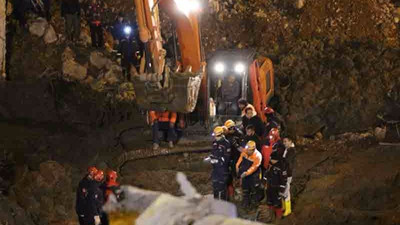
(158,86)
(235,74)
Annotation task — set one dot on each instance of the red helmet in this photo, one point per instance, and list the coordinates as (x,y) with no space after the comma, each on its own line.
(274,135)
(92,170)
(112,176)
(99,176)
(268,110)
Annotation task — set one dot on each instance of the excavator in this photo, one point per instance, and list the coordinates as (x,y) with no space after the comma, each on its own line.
(159,87)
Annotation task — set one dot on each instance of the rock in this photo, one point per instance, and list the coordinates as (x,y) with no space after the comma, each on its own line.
(68,54)
(396,19)
(38,27)
(380,133)
(13,214)
(84,37)
(299,4)
(211,220)
(98,60)
(51,171)
(113,75)
(74,70)
(50,36)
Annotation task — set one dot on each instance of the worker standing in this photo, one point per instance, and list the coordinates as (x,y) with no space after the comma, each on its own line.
(230,92)
(110,186)
(250,119)
(248,168)
(220,161)
(235,138)
(243,104)
(87,198)
(276,177)
(273,141)
(251,136)
(82,192)
(289,155)
(95,14)
(165,122)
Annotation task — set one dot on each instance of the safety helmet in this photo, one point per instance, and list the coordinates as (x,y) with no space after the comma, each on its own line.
(268,110)
(112,175)
(250,145)
(274,135)
(92,170)
(229,123)
(99,176)
(218,131)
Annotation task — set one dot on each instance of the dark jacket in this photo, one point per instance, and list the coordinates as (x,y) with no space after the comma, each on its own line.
(290,155)
(276,176)
(86,197)
(221,153)
(256,122)
(70,7)
(272,122)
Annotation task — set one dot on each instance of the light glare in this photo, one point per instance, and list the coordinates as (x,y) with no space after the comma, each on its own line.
(219,67)
(239,68)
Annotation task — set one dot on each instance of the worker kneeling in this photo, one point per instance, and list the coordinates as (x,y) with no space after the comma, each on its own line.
(220,160)
(248,166)
(163,123)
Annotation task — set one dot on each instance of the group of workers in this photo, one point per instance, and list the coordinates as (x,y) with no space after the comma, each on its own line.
(93,191)
(257,157)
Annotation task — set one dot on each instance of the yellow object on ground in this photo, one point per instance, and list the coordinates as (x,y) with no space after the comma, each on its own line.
(122,218)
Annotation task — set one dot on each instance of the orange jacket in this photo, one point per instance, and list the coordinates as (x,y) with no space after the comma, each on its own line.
(266,151)
(255,158)
(162,116)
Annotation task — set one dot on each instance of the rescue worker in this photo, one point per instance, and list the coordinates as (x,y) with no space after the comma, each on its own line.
(97,198)
(110,186)
(230,92)
(276,179)
(289,155)
(84,194)
(220,161)
(251,136)
(272,121)
(71,11)
(118,28)
(243,104)
(235,138)
(250,118)
(248,169)
(273,141)
(165,122)
(95,14)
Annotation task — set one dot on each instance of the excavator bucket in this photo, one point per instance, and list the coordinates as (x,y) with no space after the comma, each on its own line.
(177,92)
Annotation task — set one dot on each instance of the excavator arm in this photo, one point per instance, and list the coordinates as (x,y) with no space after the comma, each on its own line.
(157,86)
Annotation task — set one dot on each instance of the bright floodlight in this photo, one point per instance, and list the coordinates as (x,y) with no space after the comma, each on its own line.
(187,6)
(219,67)
(239,68)
(127,30)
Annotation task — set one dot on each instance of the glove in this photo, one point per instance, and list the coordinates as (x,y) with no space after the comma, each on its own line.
(97,220)
(214,161)
(243,175)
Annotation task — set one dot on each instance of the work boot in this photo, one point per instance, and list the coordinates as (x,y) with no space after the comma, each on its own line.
(155,146)
(170,144)
(288,208)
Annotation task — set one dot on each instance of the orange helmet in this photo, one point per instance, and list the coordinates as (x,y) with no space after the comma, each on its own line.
(268,110)
(92,170)
(112,175)
(99,176)
(274,135)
